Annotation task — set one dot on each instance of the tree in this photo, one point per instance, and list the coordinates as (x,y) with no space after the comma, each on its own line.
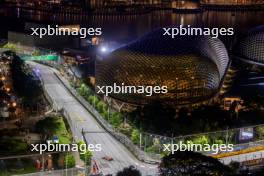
(156,147)
(47,125)
(84,91)
(25,83)
(85,155)
(115,119)
(191,163)
(93,100)
(10,46)
(135,136)
(129,171)
(155,118)
(235,166)
(3,94)
(69,161)
(36,53)
(260,132)
(201,140)
(101,107)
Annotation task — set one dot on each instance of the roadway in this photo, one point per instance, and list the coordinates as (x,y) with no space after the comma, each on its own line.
(243,157)
(79,118)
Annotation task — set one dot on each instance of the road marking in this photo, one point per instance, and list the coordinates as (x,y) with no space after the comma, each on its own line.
(152,167)
(77,117)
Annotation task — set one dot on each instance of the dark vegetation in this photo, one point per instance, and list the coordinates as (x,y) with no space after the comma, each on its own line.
(25,83)
(191,163)
(163,120)
(129,171)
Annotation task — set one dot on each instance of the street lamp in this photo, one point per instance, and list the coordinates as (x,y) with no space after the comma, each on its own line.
(7,89)
(177,89)
(103,49)
(14,104)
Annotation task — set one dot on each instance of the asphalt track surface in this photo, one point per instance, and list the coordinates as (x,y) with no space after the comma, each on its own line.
(79,118)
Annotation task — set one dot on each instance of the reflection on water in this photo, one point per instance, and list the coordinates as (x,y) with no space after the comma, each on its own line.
(127,27)
(124,28)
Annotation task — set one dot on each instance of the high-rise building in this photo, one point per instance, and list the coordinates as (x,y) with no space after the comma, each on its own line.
(102,3)
(232,2)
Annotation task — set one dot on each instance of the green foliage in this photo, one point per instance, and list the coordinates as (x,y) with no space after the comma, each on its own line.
(219,141)
(54,126)
(115,119)
(129,171)
(28,166)
(260,132)
(135,136)
(126,129)
(93,100)
(191,163)
(104,115)
(201,140)
(234,166)
(69,161)
(36,53)
(153,149)
(80,143)
(86,156)
(25,83)
(20,147)
(84,91)
(155,118)
(101,107)
(10,46)
(16,146)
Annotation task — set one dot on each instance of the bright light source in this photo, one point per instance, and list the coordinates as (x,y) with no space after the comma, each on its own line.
(103,49)
(8,89)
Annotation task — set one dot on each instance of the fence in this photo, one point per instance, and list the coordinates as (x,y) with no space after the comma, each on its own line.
(38,165)
(141,155)
(241,138)
(150,146)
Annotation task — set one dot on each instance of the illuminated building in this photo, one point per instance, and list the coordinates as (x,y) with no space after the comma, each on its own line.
(102,3)
(192,67)
(250,48)
(232,2)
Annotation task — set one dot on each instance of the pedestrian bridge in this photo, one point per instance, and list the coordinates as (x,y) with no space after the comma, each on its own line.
(29,57)
(48,57)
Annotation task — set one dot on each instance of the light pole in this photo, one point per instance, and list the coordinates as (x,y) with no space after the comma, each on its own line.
(177,89)
(226,135)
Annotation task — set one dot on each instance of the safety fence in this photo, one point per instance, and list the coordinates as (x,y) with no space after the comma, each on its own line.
(52,163)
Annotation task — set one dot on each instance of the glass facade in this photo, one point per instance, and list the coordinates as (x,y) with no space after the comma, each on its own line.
(250,48)
(192,67)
